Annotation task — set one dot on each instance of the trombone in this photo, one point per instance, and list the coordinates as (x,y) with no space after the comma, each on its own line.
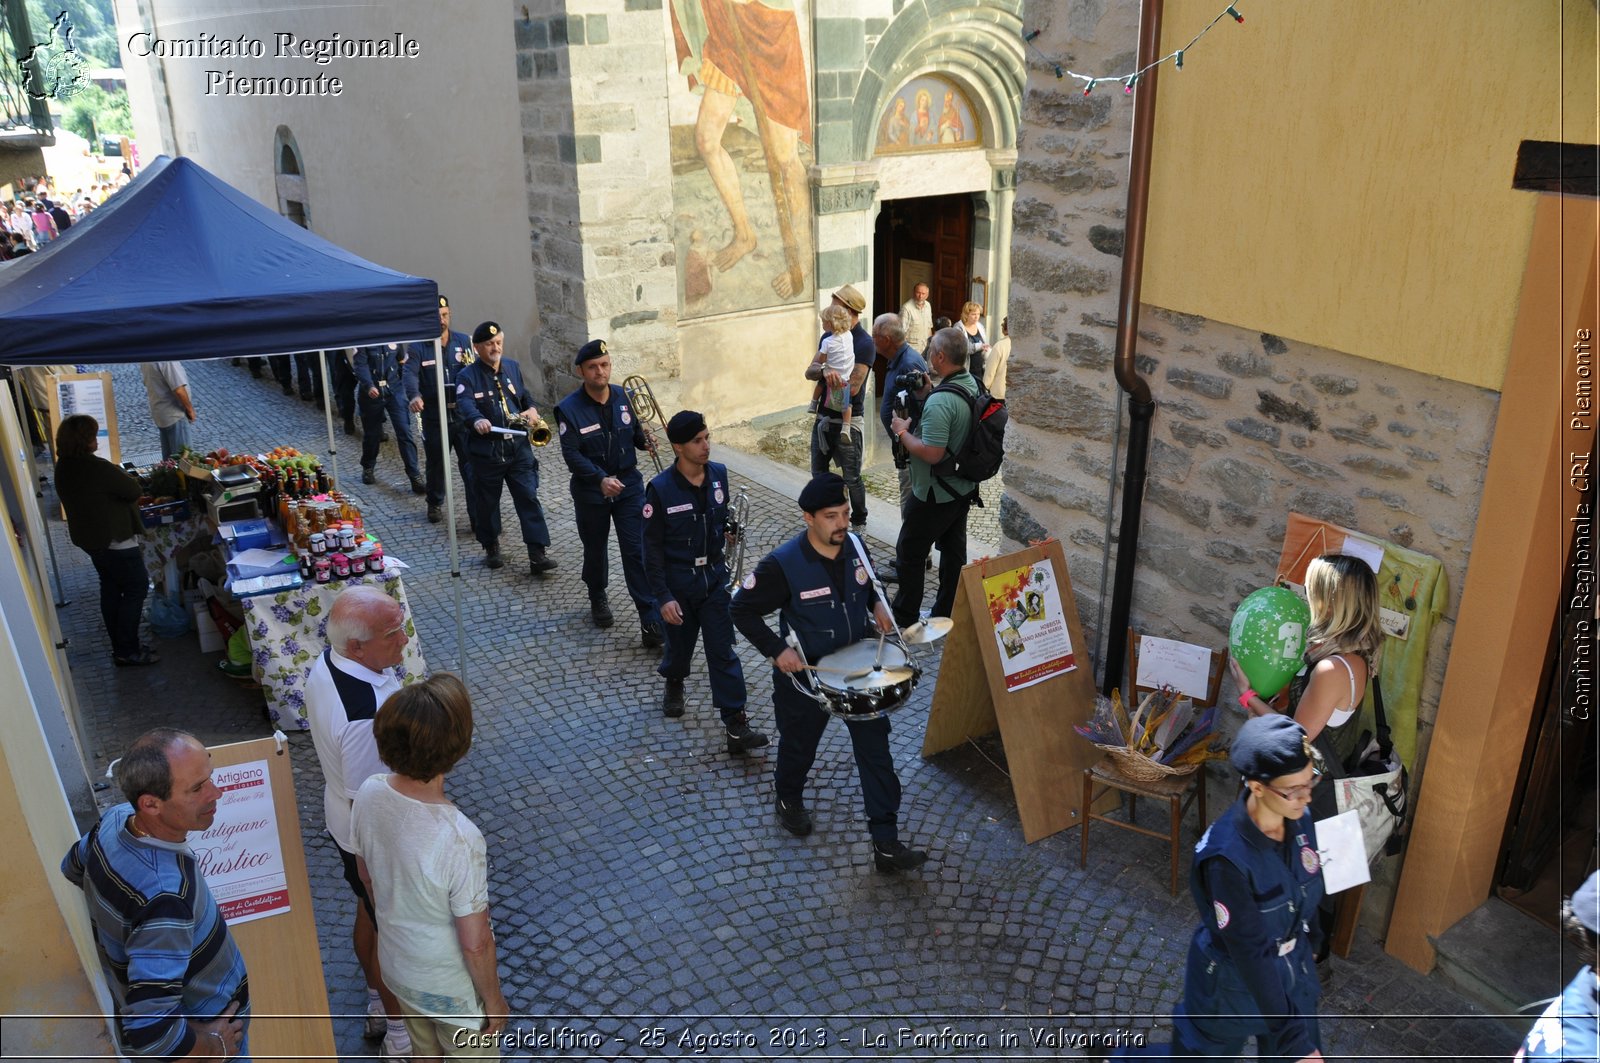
(643,400)
(739,532)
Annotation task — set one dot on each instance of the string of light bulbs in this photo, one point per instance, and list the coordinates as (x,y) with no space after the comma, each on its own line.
(1128,81)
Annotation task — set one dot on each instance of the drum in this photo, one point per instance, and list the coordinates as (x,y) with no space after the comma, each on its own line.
(847,686)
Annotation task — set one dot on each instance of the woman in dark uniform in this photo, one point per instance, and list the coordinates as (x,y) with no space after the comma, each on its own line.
(1256,879)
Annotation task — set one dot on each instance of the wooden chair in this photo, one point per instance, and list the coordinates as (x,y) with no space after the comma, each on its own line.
(1178,791)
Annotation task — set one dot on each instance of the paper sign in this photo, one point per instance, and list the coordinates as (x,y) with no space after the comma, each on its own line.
(240,854)
(1343,852)
(1030,627)
(86,396)
(1183,667)
(1365,549)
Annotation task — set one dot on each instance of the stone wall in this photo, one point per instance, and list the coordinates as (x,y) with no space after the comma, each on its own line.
(598,177)
(1248,426)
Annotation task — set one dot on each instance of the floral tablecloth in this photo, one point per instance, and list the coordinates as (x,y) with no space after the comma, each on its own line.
(159,544)
(288,630)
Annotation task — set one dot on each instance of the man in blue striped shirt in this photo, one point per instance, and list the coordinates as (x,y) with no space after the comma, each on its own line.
(176,976)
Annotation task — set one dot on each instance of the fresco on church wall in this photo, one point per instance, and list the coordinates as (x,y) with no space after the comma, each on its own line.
(740,115)
(928,113)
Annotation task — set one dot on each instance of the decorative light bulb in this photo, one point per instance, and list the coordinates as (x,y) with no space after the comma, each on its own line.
(1235,13)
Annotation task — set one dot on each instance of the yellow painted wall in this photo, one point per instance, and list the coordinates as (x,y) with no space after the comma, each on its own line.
(1340,174)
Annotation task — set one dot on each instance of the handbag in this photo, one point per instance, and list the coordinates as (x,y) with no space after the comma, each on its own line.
(1375,785)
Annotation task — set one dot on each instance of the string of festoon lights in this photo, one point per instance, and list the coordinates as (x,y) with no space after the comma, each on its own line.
(1129,80)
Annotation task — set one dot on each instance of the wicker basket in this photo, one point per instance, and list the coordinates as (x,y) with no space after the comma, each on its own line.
(1142,768)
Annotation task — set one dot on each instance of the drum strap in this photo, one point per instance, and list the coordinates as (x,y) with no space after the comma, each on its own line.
(861,553)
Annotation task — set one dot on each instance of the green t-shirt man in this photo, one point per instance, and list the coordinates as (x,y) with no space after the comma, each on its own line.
(946,422)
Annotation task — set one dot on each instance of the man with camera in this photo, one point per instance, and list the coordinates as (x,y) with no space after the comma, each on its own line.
(937,511)
(905,385)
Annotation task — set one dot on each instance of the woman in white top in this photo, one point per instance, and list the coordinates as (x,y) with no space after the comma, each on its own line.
(426,868)
(1341,651)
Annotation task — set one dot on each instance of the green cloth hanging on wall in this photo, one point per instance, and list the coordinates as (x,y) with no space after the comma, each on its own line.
(1413,591)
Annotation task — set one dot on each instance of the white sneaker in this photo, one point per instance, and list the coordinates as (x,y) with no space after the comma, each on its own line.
(396,1050)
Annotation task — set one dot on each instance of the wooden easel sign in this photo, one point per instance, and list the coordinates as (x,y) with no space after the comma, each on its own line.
(1014,659)
(268,902)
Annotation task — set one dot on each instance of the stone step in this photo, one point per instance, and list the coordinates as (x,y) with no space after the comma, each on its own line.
(1505,960)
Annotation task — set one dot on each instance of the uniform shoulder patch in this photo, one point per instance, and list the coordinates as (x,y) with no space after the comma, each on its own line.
(861,575)
(1222,914)
(1310,860)
(649,510)
(749,582)
(561,426)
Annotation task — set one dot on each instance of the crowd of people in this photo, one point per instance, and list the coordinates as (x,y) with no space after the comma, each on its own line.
(417,866)
(40,213)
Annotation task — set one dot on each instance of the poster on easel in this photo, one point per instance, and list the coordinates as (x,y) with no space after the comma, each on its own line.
(1029,626)
(1032,697)
(240,854)
(288,991)
(90,393)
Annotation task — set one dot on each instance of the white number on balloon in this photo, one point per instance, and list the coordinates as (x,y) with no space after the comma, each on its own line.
(1289,633)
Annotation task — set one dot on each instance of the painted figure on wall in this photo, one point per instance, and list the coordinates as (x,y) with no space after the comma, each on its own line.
(957,125)
(749,51)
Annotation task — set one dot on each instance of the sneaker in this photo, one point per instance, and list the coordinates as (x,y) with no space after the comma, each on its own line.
(672,699)
(794,818)
(650,636)
(492,558)
(377,1024)
(419,486)
(144,657)
(538,562)
(600,612)
(368,476)
(892,857)
(435,514)
(741,738)
(396,1049)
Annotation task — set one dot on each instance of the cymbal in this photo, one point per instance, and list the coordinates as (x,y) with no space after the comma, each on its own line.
(929,630)
(878,678)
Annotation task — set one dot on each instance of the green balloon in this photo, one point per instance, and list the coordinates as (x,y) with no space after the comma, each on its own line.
(1268,638)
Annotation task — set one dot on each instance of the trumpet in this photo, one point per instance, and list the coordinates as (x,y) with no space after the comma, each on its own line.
(643,400)
(538,432)
(739,532)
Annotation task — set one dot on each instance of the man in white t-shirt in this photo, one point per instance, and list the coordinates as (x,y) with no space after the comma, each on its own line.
(916,314)
(167,385)
(349,682)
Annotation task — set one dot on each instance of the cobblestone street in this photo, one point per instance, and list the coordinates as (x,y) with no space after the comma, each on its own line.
(641,889)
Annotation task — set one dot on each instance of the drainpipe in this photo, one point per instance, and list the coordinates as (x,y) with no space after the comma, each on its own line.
(1141,407)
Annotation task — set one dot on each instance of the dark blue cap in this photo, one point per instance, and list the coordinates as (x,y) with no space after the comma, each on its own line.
(591,350)
(823,491)
(1270,746)
(485,332)
(684,426)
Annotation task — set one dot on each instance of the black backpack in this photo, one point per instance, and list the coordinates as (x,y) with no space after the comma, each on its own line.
(979,458)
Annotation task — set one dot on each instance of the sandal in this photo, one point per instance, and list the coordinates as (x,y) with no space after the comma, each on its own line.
(146,657)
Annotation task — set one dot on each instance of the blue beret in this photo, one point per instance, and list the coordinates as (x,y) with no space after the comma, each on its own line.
(684,426)
(591,350)
(485,332)
(823,491)
(1267,747)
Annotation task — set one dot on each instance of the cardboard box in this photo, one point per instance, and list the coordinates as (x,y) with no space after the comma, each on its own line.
(211,640)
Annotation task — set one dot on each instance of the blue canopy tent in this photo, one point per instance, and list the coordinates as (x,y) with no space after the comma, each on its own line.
(180,265)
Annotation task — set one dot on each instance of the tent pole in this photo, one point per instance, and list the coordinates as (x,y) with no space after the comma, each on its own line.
(450,505)
(327,411)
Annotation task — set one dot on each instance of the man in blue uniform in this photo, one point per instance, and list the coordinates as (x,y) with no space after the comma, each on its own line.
(830,442)
(685,530)
(1570,1026)
(422,391)
(1257,880)
(489,396)
(818,583)
(380,373)
(600,440)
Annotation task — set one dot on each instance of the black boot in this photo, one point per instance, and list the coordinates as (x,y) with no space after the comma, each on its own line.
(793,817)
(600,612)
(672,699)
(492,558)
(538,562)
(892,857)
(741,738)
(650,636)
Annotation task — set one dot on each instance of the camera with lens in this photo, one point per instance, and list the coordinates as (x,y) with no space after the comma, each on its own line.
(908,387)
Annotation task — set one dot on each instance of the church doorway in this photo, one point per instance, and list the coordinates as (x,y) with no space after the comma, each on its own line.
(927,239)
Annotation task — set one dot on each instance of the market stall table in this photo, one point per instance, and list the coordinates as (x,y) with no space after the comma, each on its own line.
(160,543)
(287,630)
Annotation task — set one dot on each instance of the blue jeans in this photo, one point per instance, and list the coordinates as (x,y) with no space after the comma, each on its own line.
(827,448)
(123,586)
(175,437)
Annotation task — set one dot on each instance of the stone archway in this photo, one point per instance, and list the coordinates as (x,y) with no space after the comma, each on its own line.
(288,168)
